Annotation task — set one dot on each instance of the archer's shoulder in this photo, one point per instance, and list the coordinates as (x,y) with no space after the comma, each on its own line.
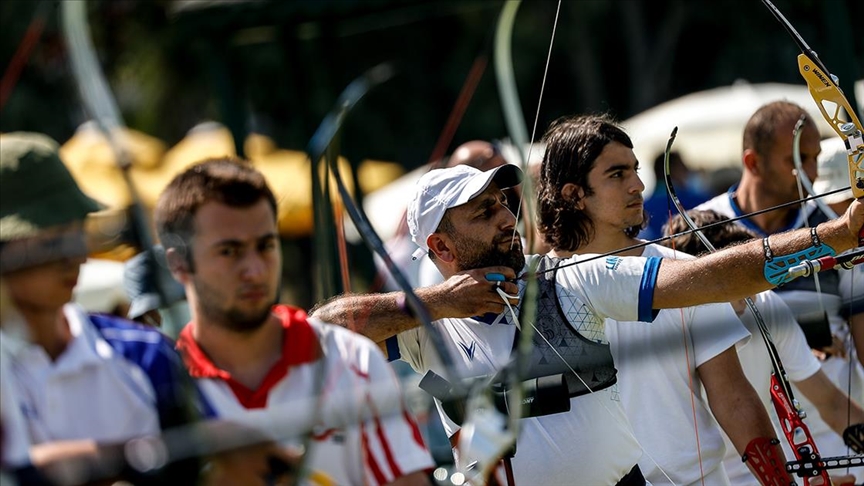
(332,336)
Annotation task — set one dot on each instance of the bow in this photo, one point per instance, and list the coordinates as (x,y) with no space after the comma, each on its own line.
(825,90)
(791,417)
(482,420)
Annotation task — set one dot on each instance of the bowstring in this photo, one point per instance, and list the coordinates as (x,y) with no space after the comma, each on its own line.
(799,179)
(671,198)
(527,182)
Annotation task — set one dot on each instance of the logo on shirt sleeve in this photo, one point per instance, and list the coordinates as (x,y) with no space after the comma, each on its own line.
(613,262)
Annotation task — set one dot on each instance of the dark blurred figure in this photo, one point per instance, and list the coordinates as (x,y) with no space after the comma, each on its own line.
(144,276)
(687,187)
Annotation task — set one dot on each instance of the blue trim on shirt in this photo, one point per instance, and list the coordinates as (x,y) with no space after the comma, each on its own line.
(155,355)
(391,344)
(747,223)
(646,289)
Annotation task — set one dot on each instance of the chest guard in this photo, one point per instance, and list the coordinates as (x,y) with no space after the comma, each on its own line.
(592,361)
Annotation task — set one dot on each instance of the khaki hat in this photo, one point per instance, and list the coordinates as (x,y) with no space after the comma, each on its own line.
(37,190)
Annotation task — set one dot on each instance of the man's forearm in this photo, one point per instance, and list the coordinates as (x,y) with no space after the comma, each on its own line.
(380,316)
(734,402)
(738,271)
(834,406)
(376,316)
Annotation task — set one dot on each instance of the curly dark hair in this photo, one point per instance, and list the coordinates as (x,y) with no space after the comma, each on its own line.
(720,236)
(573,143)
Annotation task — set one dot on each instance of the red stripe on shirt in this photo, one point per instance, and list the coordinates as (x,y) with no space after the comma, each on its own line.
(299,346)
(370,460)
(385,444)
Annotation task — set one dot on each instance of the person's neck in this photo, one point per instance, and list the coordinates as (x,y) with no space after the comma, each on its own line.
(750,198)
(247,356)
(48,328)
(602,242)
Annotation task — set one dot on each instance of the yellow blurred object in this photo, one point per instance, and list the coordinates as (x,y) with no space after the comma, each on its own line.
(109,235)
(204,141)
(375,174)
(289,175)
(256,146)
(93,164)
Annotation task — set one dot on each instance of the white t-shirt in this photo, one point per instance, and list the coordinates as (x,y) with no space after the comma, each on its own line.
(593,442)
(654,378)
(847,374)
(108,385)
(797,359)
(352,383)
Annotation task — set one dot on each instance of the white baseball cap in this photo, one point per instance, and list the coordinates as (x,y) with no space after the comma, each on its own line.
(833,165)
(441,189)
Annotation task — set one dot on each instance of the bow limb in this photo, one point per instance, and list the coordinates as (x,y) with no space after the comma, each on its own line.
(318,145)
(477,397)
(506,77)
(102,108)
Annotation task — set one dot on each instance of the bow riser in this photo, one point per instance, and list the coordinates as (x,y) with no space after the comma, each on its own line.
(825,91)
(796,431)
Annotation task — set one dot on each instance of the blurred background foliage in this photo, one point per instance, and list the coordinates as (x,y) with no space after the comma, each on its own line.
(277,67)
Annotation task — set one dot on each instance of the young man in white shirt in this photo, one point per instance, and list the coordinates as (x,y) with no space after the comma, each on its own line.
(258,360)
(835,408)
(73,383)
(663,368)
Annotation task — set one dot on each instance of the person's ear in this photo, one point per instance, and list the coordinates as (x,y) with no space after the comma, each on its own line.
(441,246)
(750,159)
(178,264)
(572,192)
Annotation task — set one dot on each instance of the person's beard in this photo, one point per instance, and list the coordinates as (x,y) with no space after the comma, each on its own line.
(212,305)
(474,253)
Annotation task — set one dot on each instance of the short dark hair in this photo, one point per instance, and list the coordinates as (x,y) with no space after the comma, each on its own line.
(228,180)
(764,124)
(573,143)
(446,227)
(720,236)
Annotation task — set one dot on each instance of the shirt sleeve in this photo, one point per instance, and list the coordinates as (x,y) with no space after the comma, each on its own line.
(394,444)
(607,285)
(410,349)
(715,328)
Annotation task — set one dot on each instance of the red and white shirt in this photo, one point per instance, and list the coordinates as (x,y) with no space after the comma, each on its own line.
(330,380)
